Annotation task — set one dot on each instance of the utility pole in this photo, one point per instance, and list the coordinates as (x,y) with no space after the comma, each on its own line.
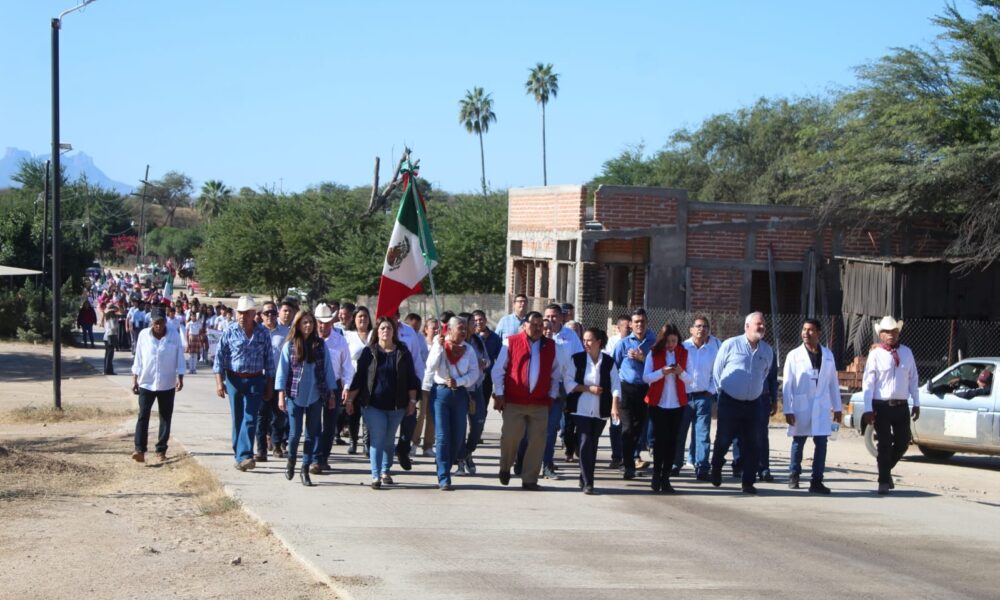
(140,236)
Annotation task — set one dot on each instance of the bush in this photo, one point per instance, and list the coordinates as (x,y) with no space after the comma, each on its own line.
(25,313)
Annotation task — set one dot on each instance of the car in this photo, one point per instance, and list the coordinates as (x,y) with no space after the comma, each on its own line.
(948,422)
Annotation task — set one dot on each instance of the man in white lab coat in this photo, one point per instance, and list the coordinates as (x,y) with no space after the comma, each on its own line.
(811,398)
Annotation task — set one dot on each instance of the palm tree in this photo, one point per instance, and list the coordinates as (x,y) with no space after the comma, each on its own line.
(214,198)
(476,113)
(542,84)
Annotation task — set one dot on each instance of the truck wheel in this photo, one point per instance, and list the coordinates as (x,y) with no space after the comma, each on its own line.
(871,440)
(934,453)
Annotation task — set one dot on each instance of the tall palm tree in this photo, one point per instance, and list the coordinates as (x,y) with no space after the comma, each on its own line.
(214,198)
(475,111)
(542,84)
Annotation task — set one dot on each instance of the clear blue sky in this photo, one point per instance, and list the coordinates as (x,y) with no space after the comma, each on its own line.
(294,93)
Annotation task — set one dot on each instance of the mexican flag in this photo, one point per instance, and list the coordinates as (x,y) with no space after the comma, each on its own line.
(411,254)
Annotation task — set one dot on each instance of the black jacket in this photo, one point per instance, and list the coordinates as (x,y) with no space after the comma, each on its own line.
(406,376)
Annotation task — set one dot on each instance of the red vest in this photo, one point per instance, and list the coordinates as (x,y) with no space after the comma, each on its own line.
(656,388)
(516,382)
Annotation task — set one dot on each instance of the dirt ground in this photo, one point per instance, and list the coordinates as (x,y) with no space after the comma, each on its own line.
(81,519)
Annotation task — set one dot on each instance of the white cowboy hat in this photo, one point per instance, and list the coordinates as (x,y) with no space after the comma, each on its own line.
(888,324)
(323,313)
(246,303)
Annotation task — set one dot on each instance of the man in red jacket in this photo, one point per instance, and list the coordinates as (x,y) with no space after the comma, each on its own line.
(525,382)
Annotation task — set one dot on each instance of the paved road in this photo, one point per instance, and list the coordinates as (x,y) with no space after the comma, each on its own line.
(487,541)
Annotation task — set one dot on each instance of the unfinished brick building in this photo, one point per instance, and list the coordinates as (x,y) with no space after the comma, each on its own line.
(655,247)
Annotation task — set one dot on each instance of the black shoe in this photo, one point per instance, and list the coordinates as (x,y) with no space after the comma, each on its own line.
(883,489)
(702,477)
(655,484)
(675,471)
(531,487)
(615,464)
(716,477)
(793,482)
(262,457)
(749,489)
(353,448)
(817,487)
(629,474)
(765,475)
(404,460)
(504,477)
(304,477)
(290,469)
(666,488)
(589,490)
(339,441)
(518,467)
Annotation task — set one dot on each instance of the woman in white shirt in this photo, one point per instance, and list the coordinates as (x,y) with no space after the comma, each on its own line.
(665,371)
(454,367)
(358,334)
(594,394)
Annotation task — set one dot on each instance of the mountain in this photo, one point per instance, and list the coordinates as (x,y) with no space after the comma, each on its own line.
(75,164)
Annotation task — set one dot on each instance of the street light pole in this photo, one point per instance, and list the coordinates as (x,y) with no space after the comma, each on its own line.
(56,215)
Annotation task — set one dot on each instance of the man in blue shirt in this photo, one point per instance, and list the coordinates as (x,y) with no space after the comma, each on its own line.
(630,357)
(244,368)
(511,324)
(741,368)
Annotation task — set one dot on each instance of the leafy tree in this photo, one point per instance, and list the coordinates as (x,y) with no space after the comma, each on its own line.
(543,84)
(470,234)
(476,113)
(214,199)
(31,174)
(172,242)
(171,192)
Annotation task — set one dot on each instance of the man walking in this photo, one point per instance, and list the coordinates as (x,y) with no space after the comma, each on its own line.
(525,382)
(630,356)
(511,324)
(339,373)
(244,370)
(269,418)
(889,379)
(741,368)
(702,348)
(811,394)
(157,373)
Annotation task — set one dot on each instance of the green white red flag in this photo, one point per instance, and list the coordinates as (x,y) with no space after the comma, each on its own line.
(411,254)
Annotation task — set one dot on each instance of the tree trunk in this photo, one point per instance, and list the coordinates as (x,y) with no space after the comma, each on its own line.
(545,170)
(482,162)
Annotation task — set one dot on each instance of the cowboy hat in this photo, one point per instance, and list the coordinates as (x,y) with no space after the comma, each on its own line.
(323,313)
(246,303)
(888,324)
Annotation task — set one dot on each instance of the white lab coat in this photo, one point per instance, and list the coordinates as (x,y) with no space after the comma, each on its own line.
(812,400)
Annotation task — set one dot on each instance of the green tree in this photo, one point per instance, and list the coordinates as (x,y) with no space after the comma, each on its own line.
(470,234)
(475,113)
(172,191)
(172,242)
(543,84)
(214,198)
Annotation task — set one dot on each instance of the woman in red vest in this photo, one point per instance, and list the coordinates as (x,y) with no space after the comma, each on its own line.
(666,373)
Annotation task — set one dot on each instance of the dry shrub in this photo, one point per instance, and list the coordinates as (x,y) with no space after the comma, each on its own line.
(37,414)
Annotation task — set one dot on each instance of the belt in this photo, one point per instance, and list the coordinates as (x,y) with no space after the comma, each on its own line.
(245,375)
(701,394)
(891,402)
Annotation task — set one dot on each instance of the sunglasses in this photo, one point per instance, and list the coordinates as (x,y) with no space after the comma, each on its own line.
(270,313)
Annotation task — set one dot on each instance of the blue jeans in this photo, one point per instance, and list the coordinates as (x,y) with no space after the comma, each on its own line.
(763,405)
(245,396)
(88,334)
(382,426)
(555,420)
(477,423)
(698,415)
(819,456)
(331,416)
(312,414)
(737,419)
(451,408)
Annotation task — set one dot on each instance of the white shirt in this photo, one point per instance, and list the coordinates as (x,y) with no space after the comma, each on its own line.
(668,398)
(158,362)
(612,342)
(883,380)
(700,363)
(589,405)
(416,344)
(338,361)
(465,372)
(567,336)
(534,367)
(356,344)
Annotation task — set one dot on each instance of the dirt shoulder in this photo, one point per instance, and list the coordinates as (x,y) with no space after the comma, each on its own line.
(80,518)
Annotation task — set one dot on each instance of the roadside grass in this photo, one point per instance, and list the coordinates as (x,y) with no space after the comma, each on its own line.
(73,413)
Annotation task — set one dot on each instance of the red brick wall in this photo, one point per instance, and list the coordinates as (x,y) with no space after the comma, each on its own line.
(717,244)
(547,208)
(787,244)
(716,290)
(617,208)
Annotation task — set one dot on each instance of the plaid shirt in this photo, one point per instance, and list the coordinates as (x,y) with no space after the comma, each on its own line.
(319,361)
(243,354)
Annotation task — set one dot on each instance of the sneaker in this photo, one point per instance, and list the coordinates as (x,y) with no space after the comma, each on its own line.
(376,484)
(883,489)
(793,481)
(675,471)
(387,479)
(615,464)
(817,487)
(460,470)
(315,469)
(549,473)
(765,475)
(428,452)
(260,457)
(413,451)
(445,487)
(589,490)
(138,456)
(469,465)
(247,464)
(161,456)
(353,448)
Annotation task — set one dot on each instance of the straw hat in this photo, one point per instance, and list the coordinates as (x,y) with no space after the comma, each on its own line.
(888,324)
(246,303)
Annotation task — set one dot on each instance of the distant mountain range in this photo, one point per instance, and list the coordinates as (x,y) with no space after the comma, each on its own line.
(75,164)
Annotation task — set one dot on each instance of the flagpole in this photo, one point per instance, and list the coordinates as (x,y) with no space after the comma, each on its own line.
(423,239)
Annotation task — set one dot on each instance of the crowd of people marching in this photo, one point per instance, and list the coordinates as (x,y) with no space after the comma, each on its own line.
(301,382)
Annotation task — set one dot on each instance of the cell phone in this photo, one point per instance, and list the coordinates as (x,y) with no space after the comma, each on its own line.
(671,366)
